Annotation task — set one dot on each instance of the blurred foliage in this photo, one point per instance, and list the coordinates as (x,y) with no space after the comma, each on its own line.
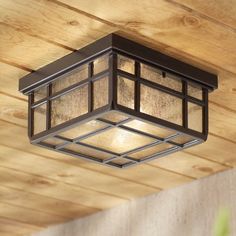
(221,227)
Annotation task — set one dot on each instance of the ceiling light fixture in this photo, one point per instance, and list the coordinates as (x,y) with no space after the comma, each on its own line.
(118,103)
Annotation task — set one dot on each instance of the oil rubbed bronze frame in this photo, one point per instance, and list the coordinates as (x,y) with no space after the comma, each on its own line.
(114,45)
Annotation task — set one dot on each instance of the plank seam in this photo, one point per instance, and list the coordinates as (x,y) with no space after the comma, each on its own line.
(10,63)
(159,188)
(52,198)
(66,183)
(12,96)
(39,37)
(208,159)
(36,210)
(172,171)
(134,33)
(200,14)
(223,107)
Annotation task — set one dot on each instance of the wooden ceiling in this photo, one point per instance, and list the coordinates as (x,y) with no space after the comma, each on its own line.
(39,187)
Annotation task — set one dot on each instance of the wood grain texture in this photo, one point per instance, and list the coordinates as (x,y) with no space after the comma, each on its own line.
(187,210)
(222,12)
(9,79)
(9,226)
(35,33)
(51,22)
(163,22)
(27,215)
(31,52)
(51,188)
(189,165)
(72,175)
(49,205)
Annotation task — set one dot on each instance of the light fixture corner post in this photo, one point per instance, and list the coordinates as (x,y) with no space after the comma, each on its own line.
(112,80)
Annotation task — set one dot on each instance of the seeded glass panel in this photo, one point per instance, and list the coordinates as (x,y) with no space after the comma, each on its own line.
(126,64)
(150,129)
(53,141)
(151,151)
(69,106)
(155,75)
(100,64)
(114,117)
(39,118)
(40,93)
(120,161)
(83,129)
(182,139)
(87,151)
(118,140)
(161,105)
(100,93)
(194,117)
(195,91)
(77,75)
(125,93)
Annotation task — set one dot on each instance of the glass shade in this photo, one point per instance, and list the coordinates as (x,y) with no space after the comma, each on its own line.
(40,118)
(182,139)
(162,116)
(195,117)
(195,91)
(161,105)
(40,93)
(117,140)
(79,149)
(77,75)
(154,150)
(149,129)
(155,75)
(53,141)
(121,161)
(114,117)
(125,93)
(69,106)
(100,64)
(125,64)
(83,129)
(100,93)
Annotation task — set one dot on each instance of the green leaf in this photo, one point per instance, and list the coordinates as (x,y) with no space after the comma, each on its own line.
(221,227)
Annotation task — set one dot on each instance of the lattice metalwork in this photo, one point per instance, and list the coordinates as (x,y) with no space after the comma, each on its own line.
(117,108)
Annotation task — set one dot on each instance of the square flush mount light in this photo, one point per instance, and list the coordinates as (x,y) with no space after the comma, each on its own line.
(118,103)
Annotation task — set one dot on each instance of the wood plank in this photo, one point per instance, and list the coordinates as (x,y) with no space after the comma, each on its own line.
(11,226)
(31,52)
(45,204)
(146,174)
(48,20)
(51,188)
(189,165)
(85,177)
(131,175)
(9,79)
(6,233)
(221,11)
(222,122)
(225,95)
(73,175)
(15,132)
(14,110)
(28,216)
(163,22)
(216,149)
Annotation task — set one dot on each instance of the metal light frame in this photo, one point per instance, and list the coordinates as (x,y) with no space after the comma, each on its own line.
(113,45)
